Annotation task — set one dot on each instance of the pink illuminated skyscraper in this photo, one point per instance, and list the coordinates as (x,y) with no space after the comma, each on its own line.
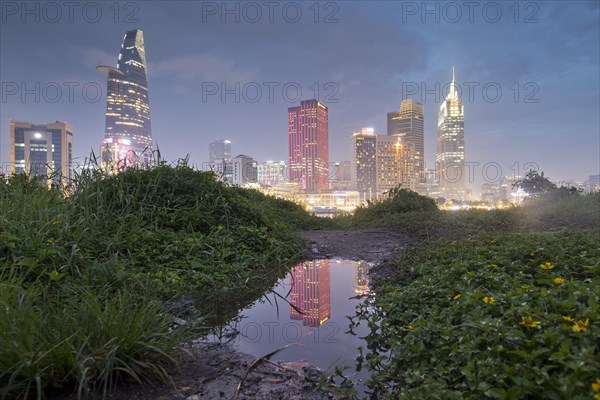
(308,149)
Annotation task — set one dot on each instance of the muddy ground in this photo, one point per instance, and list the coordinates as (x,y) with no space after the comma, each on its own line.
(376,245)
(214,371)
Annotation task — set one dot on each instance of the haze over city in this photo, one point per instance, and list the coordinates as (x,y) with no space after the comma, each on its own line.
(359,58)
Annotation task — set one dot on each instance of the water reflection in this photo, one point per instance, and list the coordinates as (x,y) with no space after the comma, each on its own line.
(361,279)
(310,296)
(319,296)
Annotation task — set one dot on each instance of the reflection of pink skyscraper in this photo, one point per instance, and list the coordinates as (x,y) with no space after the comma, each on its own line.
(310,292)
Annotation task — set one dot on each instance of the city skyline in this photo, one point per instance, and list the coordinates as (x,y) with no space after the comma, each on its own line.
(554,67)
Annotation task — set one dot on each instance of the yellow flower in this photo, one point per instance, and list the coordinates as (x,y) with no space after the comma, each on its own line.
(581,326)
(410,327)
(55,275)
(525,287)
(458,296)
(568,318)
(532,253)
(50,241)
(528,321)
(596,385)
(58,221)
(492,265)
(546,266)
(489,299)
(559,281)
(219,228)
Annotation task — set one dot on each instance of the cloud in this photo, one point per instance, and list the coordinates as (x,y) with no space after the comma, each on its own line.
(205,67)
(90,57)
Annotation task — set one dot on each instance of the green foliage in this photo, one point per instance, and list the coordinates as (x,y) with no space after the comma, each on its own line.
(498,315)
(398,201)
(80,339)
(535,184)
(84,277)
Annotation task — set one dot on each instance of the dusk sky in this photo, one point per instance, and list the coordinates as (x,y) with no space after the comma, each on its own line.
(362,56)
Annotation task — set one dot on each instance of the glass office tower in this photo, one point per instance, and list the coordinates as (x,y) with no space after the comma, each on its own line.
(128,135)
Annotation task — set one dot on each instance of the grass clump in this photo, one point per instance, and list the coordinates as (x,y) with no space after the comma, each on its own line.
(85,277)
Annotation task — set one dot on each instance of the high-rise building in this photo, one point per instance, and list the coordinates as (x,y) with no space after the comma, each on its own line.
(310,292)
(393,162)
(128,135)
(220,150)
(244,170)
(450,158)
(308,152)
(408,124)
(44,150)
(364,167)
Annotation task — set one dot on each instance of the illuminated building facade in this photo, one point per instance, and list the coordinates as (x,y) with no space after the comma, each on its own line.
(364,168)
(271,173)
(408,124)
(128,135)
(393,162)
(308,152)
(44,150)
(310,292)
(450,158)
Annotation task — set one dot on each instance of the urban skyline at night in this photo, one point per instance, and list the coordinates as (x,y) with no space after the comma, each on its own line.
(195,92)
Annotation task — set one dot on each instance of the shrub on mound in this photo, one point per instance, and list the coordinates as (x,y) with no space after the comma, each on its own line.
(399,201)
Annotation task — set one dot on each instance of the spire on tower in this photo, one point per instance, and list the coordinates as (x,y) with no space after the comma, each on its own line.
(452,92)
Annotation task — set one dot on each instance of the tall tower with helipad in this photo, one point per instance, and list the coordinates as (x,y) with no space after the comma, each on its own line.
(128,134)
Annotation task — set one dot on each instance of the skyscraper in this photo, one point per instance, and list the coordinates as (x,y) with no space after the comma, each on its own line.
(392,162)
(364,167)
(128,135)
(244,170)
(45,150)
(308,152)
(450,159)
(408,124)
(219,151)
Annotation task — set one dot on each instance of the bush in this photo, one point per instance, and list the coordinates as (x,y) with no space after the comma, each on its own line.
(399,201)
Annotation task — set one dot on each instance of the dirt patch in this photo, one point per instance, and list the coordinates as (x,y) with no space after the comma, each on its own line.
(375,245)
(213,371)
